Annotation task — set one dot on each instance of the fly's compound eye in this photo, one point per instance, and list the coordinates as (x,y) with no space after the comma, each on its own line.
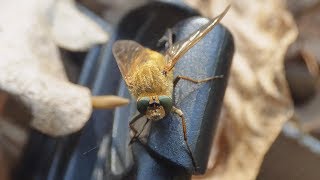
(166,103)
(142,104)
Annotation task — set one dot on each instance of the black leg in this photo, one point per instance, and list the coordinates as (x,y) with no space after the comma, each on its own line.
(136,135)
(134,119)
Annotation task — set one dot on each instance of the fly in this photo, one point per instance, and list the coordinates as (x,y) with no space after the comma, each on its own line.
(149,76)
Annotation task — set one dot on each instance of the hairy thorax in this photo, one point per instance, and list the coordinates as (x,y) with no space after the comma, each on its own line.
(148,79)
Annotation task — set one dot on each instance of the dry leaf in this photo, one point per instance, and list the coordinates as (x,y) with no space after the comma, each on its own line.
(257,101)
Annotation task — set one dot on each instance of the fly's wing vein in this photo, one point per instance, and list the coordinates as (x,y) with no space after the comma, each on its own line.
(178,49)
(128,54)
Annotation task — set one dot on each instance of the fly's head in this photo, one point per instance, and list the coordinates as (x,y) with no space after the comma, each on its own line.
(154,107)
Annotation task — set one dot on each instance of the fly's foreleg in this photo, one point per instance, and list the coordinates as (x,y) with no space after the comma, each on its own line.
(136,134)
(135,131)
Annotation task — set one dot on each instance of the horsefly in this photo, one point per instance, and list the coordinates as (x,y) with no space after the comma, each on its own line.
(149,76)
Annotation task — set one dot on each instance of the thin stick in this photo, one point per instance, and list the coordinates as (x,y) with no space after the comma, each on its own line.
(108,102)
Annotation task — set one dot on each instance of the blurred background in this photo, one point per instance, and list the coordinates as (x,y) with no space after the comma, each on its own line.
(277,53)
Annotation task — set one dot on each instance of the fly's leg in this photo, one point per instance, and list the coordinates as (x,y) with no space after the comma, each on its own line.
(184,128)
(168,38)
(136,134)
(180,113)
(177,79)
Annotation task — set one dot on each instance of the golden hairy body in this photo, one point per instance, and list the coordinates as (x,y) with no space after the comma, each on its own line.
(148,79)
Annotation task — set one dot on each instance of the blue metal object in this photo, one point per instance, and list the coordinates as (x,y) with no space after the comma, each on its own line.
(201,102)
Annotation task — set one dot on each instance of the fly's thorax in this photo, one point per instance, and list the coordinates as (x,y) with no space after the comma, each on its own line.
(148,78)
(155,107)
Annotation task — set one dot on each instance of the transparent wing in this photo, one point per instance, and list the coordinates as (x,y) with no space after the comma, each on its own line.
(177,50)
(128,55)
